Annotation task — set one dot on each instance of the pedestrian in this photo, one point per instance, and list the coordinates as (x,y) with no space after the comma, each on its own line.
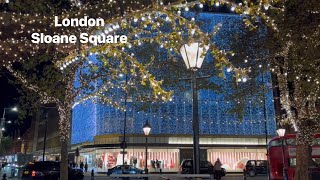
(92,174)
(86,167)
(81,165)
(13,172)
(217,169)
(157,163)
(153,163)
(4,176)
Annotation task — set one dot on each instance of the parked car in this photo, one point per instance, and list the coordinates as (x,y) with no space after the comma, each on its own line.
(206,167)
(124,169)
(48,170)
(254,167)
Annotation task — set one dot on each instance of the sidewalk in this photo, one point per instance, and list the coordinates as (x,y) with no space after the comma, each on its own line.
(8,176)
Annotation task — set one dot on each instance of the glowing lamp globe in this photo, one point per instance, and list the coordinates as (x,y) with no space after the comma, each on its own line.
(146,129)
(281,132)
(14,109)
(193,55)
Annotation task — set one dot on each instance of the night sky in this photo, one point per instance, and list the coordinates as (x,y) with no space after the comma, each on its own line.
(9,97)
(8,91)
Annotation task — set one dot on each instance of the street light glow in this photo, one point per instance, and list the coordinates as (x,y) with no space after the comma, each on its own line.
(193,54)
(281,132)
(244,79)
(14,109)
(146,129)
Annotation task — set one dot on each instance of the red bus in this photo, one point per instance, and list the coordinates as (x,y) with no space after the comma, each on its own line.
(275,155)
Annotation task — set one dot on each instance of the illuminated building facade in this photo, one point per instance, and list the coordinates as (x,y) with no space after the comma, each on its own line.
(98,128)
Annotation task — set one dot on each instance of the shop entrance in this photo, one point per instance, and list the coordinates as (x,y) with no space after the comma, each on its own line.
(187,154)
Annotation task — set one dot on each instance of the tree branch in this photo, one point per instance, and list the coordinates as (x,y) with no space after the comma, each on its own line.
(45,98)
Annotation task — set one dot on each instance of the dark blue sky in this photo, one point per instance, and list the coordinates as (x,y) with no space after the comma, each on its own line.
(8,91)
(9,97)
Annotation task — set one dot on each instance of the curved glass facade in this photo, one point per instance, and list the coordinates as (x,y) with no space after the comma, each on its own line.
(175,117)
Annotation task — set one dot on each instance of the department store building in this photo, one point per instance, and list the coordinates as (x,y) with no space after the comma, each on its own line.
(97,129)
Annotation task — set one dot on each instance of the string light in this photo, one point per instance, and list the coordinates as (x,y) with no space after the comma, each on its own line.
(19,48)
(103,10)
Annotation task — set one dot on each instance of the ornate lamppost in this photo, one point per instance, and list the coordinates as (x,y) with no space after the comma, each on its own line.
(146,130)
(193,56)
(281,132)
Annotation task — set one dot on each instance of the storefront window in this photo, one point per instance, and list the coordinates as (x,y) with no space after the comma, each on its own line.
(235,160)
(168,160)
(165,159)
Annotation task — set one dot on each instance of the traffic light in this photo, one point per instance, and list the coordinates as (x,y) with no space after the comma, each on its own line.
(77,152)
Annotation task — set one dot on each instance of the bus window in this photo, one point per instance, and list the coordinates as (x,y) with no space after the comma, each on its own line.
(292,162)
(316,161)
(276,143)
(291,142)
(316,141)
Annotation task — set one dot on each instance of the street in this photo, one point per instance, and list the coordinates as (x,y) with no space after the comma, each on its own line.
(175,176)
(165,177)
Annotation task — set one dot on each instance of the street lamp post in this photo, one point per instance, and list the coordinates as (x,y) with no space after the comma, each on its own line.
(265,118)
(193,56)
(45,137)
(45,130)
(15,109)
(281,133)
(124,143)
(146,130)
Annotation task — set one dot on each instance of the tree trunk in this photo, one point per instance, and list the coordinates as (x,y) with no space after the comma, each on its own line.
(64,160)
(64,125)
(307,128)
(304,159)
